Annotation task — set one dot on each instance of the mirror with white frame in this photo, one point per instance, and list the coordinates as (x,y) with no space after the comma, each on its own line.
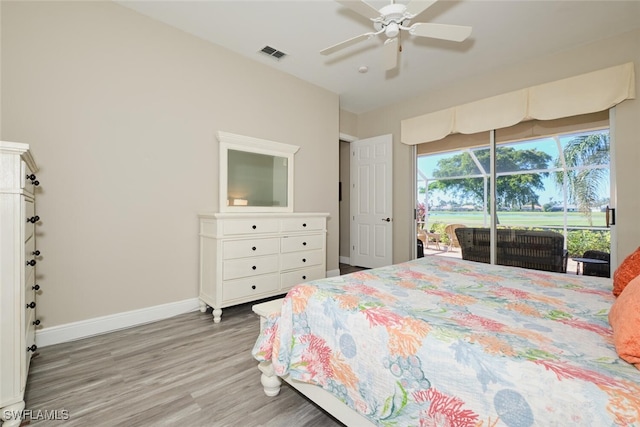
(256,175)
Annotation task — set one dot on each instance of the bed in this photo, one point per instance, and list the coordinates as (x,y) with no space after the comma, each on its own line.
(442,341)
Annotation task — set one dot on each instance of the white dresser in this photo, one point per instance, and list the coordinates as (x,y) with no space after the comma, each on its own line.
(247,257)
(18,258)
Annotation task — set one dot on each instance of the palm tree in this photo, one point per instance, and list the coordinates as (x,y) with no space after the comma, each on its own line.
(584,180)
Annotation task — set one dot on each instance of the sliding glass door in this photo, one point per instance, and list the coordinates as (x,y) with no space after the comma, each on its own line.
(559,183)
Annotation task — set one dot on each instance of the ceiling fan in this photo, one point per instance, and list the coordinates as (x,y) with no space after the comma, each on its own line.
(391,20)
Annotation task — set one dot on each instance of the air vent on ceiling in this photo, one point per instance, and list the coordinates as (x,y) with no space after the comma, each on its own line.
(274,53)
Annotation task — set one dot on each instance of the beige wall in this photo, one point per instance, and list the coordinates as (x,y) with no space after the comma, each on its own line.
(121,114)
(614,51)
(348,123)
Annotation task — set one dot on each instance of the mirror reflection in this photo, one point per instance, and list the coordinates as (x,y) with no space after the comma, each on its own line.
(258,180)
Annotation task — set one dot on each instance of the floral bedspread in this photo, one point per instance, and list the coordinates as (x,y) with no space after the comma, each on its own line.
(446,342)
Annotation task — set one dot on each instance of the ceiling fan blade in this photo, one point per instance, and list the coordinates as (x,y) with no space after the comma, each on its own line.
(361,7)
(390,50)
(346,43)
(416,7)
(456,33)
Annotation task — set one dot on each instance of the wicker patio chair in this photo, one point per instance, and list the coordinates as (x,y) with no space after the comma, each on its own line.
(600,270)
(450,231)
(537,250)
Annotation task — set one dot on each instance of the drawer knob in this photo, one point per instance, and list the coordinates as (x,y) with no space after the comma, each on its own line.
(304,277)
(304,243)
(33,219)
(32,304)
(254,226)
(36,252)
(32,348)
(253,248)
(36,322)
(32,262)
(253,286)
(36,287)
(253,267)
(304,224)
(304,260)
(32,177)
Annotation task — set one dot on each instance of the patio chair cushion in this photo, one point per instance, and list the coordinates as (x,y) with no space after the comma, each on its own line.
(626,272)
(624,318)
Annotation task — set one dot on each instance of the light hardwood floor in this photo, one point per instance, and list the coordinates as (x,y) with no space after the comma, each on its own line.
(183,371)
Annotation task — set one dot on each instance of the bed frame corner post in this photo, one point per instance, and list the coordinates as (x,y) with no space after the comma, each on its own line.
(269,379)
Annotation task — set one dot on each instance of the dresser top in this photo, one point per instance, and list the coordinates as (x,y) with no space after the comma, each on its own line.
(248,215)
(8,147)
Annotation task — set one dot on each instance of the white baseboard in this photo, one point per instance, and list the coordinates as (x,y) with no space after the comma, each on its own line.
(113,322)
(345,260)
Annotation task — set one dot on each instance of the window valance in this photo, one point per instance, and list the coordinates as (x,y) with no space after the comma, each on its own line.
(582,94)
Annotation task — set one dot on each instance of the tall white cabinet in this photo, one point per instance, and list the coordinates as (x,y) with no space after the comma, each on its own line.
(18,259)
(246,257)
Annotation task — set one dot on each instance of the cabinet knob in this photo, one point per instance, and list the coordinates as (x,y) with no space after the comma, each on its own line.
(33,219)
(32,348)
(32,178)
(36,322)
(254,226)
(304,243)
(253,286)
(32,262)
(36,287)
(253,248)
(36,252)
(304,260)
(253,267)
(304,224)
(304,277)
(32,304)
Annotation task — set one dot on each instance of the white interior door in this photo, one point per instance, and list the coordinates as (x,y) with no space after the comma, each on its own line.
(371,202)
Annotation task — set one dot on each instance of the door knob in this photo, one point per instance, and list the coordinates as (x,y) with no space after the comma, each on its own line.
(386,219)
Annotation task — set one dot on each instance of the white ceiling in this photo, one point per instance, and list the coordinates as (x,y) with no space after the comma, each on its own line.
(504,33)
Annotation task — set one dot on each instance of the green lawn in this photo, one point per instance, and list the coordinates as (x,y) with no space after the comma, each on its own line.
(521,219)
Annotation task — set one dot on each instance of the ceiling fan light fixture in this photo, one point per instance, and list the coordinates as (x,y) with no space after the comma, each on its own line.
(392,30)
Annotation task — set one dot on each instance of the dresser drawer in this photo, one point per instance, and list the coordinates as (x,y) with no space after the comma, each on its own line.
(30,328)
(29,257)
(29,212)
(237,268)
(300,243)
(30,339)
(27,174)
(301,259)
(303,224)
(292,278)
(29,283)
(250,226)
(232,249)
(249,287)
